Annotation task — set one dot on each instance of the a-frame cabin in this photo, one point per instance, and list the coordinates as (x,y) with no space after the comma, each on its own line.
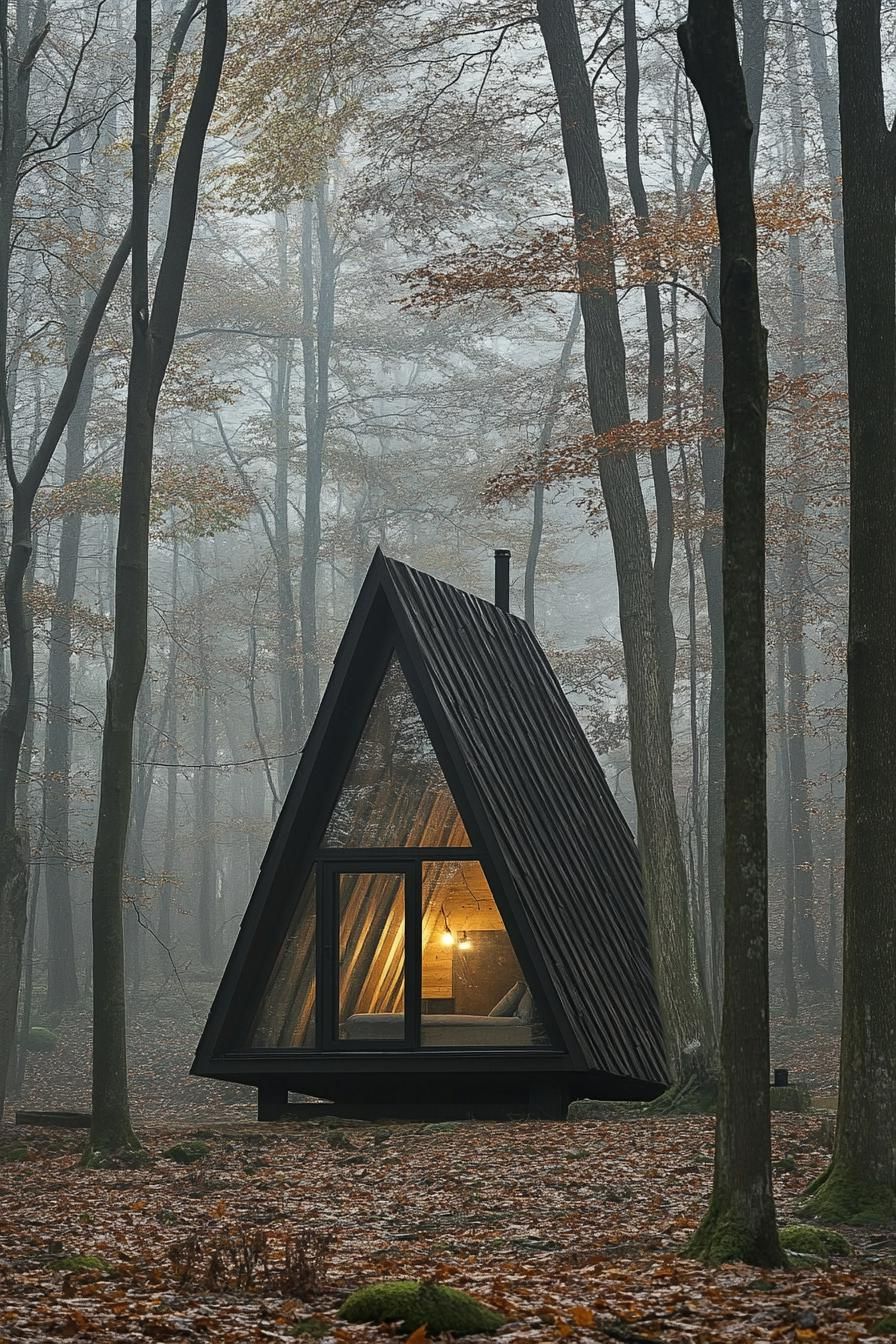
(449,917)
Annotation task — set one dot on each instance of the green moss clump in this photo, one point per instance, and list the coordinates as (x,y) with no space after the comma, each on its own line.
(818,1241)
(191,1150)
(416,1303)
(14,1152)
(41,1041)
(886,1325)
(838,1197)
(74,1262)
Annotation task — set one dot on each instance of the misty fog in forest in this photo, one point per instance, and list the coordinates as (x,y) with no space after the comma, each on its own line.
(380,345)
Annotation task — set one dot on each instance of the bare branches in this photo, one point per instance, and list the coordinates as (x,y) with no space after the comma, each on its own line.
(34,46)
(51,142)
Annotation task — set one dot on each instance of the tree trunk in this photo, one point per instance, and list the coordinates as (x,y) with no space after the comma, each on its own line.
(166,889)
(544,438)
(290,684)
(152,339)
(699,893)
(740,1222)
(62,977)
(204,785)
(656,341)
(796,573)
(687,1027)
(826,97)
(791,1001)
(712,460)
(712,455)
(317,338)
(861,1182)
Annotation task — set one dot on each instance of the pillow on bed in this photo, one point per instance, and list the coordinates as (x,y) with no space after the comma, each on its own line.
(525,1010)
(507,1006)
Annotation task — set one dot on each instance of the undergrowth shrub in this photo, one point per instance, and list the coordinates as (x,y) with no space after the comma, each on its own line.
(252,1260)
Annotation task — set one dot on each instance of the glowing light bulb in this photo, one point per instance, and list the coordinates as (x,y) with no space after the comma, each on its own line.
(464,944)
(447,938)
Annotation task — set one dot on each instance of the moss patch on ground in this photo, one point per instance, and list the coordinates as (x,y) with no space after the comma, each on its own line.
(415,1303)
(818,1241)
(75,1262)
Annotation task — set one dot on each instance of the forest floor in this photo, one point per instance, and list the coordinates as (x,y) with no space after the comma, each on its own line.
(573,1231)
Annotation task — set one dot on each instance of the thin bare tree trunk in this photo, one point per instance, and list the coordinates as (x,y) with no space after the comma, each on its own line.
(544,438)
(317,339)
(656,361)
(62,977)
(290,684)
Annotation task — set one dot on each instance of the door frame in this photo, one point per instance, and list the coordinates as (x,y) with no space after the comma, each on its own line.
(328,873)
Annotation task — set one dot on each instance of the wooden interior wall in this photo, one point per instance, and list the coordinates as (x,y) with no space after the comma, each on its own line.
(461,890)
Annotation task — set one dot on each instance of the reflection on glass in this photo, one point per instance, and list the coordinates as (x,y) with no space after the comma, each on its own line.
(371,956)
(285,1015)
(473,990)
(395,793)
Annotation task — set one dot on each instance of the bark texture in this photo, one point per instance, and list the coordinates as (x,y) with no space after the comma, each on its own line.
(656,361)
(740,1222)
(860,1185)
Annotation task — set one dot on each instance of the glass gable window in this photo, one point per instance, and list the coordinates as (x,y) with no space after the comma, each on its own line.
(473,992)
(398,940)
(395,794)
(285,1015)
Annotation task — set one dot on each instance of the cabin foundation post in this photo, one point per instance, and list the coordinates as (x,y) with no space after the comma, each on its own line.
(548,1101)
(272,1100)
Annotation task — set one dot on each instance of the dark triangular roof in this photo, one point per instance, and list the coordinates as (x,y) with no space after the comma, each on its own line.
(534,800)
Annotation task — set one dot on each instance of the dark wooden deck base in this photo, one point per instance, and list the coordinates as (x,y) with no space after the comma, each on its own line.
(547,1104)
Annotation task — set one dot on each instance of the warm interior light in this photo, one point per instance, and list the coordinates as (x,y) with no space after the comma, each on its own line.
(464,943)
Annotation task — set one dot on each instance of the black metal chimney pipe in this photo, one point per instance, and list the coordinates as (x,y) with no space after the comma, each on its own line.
(502,580)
